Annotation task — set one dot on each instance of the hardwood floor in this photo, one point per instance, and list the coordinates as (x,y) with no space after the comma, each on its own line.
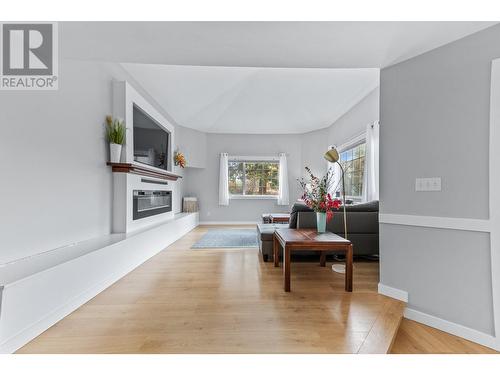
(222,301)
(416,338)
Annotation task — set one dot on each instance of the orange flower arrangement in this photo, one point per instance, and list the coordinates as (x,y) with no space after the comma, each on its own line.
(180,159)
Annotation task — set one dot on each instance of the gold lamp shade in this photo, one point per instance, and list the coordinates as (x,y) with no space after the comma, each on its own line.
(332,155)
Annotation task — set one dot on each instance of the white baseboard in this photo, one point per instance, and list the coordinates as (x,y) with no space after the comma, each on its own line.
(389,291)
(229,222)
(438,323)
(452,328)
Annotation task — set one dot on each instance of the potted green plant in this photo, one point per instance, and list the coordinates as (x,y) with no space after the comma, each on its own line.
(315,195)
(115,133)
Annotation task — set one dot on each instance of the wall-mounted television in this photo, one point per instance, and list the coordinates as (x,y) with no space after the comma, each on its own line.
(151,140)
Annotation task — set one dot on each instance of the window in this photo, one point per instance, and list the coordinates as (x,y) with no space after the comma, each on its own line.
(253,178)
(353,162)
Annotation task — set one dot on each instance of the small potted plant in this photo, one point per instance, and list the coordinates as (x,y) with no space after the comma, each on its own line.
(316,196)
(179,159)
(115,133)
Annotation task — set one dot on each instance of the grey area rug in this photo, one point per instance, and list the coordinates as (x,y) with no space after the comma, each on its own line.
(225,238)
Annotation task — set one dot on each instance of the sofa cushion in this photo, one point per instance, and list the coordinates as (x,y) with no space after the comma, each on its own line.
(361,207)
(297,207)
(266,231)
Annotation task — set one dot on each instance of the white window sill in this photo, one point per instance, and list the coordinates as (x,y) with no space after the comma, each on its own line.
(265,197)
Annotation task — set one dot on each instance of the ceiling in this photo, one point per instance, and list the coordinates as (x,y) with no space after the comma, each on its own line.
(257,77)
(259,44)
(254,100)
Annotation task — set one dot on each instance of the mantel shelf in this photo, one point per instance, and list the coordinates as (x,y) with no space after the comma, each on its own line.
(143,171)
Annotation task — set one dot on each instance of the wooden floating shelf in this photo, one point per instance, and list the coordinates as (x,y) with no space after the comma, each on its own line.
(143,171)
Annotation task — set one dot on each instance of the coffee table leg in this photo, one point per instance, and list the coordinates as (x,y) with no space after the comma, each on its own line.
(286,268)
(348,269)
(276,257)
(322,259)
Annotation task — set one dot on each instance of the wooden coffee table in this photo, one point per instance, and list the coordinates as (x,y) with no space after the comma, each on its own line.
(310,239)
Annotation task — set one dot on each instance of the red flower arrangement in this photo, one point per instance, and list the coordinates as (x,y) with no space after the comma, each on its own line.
(316,195)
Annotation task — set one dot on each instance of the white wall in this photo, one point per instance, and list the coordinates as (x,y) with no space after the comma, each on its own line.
(314,145)
(56,188)
(435,122)
(351,124)
(193,144)
(355,121)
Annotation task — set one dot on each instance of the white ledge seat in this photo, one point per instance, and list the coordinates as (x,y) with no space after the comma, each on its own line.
(38,291)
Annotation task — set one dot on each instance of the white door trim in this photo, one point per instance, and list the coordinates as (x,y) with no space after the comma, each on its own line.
(494,196)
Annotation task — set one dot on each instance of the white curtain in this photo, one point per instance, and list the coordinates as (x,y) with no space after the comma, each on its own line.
(283,198)
(335,183)
(224,180)
(371,175)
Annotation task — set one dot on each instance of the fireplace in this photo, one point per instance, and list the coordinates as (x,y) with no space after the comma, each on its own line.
(151,202)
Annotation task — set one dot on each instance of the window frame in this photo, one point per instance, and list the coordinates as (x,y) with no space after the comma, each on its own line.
(253,159)
(352,143)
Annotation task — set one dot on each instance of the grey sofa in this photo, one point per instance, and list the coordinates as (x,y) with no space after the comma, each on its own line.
(362,227)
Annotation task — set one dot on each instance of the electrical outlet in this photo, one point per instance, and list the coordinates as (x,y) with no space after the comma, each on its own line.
(428,184)
(419,184)
(435,184)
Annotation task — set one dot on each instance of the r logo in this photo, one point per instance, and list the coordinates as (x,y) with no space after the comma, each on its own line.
(27,49)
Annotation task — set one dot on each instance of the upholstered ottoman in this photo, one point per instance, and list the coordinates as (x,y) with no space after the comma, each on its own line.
(265,233)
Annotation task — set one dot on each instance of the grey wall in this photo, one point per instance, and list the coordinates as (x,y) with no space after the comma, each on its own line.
(434,113)
(447,273)
(55,187)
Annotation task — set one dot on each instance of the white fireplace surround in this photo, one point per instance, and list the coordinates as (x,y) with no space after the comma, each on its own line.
(124,99)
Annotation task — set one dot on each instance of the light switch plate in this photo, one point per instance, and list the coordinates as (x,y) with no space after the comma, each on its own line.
(428,184)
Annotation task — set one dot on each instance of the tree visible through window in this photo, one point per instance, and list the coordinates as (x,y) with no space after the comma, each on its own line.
(253,177)
(353,162)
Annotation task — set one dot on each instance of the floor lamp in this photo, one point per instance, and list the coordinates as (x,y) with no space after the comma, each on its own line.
(332,156)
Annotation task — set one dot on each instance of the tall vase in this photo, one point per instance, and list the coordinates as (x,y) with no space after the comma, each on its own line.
(321,221)
(115,151)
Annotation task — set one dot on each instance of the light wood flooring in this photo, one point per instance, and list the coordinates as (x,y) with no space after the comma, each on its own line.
(225,301)
(229,301)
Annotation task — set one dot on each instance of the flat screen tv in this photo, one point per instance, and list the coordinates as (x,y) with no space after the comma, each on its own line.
(151,141)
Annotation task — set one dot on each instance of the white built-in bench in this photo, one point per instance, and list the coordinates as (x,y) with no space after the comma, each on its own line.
(38,291)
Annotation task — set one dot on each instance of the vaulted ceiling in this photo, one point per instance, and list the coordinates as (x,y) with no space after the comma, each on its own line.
(254,100)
